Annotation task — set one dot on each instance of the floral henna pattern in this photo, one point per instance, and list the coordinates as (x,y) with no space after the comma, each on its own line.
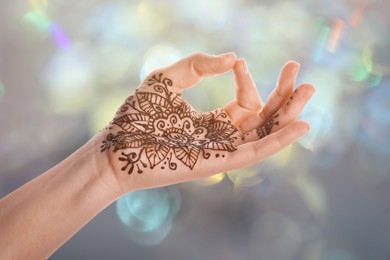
(166,130)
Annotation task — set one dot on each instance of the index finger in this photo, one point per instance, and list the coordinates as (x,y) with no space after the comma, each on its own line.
(190,70)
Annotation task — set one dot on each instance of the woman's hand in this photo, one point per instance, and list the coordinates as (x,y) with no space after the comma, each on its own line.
(157,138)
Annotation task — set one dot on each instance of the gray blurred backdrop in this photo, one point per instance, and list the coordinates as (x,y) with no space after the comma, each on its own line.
(66,66)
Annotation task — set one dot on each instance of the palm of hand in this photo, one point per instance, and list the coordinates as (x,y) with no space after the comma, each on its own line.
(160,129)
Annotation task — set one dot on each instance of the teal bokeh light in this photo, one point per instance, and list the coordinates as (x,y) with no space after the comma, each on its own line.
(144,210)
(149,213)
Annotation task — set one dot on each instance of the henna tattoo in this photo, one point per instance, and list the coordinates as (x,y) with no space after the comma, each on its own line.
(165,129)
(267,128)
(264,130)
(292,97)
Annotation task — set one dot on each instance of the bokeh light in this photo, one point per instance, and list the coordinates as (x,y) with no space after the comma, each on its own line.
(39,18)
(159,56)
(69,77)
(245,178)
(335,34)
(324,32)
(60,37)
(358,13)
(358,70)
(149,213)
(214,179)
(321,123)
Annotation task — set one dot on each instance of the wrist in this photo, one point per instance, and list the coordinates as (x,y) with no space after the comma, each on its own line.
(106,169)
(101,168)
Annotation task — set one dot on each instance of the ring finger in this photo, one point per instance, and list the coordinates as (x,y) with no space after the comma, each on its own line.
(285,115)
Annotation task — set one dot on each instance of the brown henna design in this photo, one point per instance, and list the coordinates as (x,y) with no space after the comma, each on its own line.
(267,128)
(165,129)
(292,97)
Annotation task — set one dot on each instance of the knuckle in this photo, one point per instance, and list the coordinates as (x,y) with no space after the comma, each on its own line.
(199,55)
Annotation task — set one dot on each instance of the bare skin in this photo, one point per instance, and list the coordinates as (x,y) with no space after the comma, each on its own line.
(155,139)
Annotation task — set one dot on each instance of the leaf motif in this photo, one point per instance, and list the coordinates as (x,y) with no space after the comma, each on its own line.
(133,122)
(208,116)
(188,108)
(220,130)
(135,141)
(156,153)
(177,101)
(151,103)
(204,119)
(188,155)
(119,146)
(131,141)
(154,79)
(220,146)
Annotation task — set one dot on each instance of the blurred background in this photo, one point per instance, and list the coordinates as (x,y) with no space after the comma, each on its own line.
(66,66)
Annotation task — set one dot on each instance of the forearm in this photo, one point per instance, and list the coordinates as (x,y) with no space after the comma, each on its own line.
(43,214)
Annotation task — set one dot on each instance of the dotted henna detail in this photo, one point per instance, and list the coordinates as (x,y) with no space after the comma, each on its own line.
(160,126)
